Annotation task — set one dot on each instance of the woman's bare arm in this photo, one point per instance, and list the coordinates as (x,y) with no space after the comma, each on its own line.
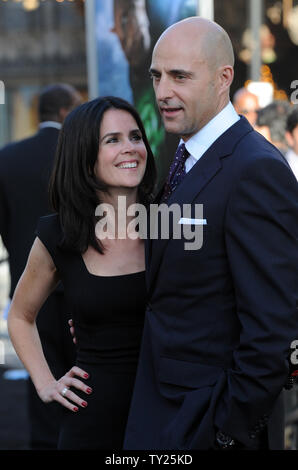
(38,280)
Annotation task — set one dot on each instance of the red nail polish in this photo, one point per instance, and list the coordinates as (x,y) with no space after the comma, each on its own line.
(84,403)
(75,408)
(86,376)
(89,390)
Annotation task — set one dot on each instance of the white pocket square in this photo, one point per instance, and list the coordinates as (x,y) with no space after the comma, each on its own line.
(186,221)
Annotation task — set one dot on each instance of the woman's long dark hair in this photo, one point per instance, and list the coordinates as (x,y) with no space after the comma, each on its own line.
(74,186)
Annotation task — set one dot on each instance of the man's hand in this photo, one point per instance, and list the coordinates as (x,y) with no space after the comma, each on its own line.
(72,331)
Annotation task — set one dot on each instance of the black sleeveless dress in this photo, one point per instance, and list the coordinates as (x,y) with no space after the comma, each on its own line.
(108,314)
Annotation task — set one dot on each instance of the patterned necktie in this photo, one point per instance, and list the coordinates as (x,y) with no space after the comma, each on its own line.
(176,172)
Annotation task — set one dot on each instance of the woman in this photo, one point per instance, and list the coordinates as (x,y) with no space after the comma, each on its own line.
(102,153)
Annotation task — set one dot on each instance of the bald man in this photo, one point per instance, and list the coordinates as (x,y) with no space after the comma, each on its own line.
(221,314)
(247,104)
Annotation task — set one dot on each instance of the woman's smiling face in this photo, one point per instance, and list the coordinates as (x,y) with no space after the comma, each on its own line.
(122,155)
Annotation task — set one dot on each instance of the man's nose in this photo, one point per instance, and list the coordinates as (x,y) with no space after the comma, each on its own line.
(163,90)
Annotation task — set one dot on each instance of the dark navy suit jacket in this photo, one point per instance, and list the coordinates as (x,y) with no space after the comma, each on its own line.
(220,319)
(25,169)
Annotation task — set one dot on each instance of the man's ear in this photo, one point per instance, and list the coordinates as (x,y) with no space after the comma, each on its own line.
(226,75)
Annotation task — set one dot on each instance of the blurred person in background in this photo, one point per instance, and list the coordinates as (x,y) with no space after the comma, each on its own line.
(247,104)
(292,139)
(271,123)
(25,169)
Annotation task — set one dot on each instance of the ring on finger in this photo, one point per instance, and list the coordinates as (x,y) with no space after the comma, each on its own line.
(64,391)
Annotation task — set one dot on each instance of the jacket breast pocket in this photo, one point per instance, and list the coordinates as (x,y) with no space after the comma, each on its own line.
(195,237)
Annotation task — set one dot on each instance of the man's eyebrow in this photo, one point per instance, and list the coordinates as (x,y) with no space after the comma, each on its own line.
(174,72)
(187,73)
(153,71)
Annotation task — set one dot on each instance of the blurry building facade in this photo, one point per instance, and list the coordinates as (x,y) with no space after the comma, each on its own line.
(278,40)
(37,47)
(44,41)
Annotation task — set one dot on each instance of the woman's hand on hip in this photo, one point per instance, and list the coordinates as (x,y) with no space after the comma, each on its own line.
(59,390)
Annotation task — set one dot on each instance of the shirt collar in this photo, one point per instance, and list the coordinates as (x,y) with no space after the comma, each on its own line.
(292,159)
(56,125)
(204,138)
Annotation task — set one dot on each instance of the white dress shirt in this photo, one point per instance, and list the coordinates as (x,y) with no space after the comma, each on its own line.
(56,125)
(292,159)
(204,138)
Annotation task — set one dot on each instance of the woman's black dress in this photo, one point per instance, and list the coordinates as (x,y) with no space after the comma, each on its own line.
(108,314)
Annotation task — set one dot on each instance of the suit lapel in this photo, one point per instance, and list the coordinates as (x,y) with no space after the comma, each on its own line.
(193,183)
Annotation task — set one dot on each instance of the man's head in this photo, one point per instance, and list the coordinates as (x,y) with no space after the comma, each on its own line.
(271,123)
(192,70)
(247,104)
(292,129)
(56,101)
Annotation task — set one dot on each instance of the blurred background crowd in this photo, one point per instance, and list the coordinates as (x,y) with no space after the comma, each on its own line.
(95,47)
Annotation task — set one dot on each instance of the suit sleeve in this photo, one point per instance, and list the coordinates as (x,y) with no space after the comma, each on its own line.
(261,234)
